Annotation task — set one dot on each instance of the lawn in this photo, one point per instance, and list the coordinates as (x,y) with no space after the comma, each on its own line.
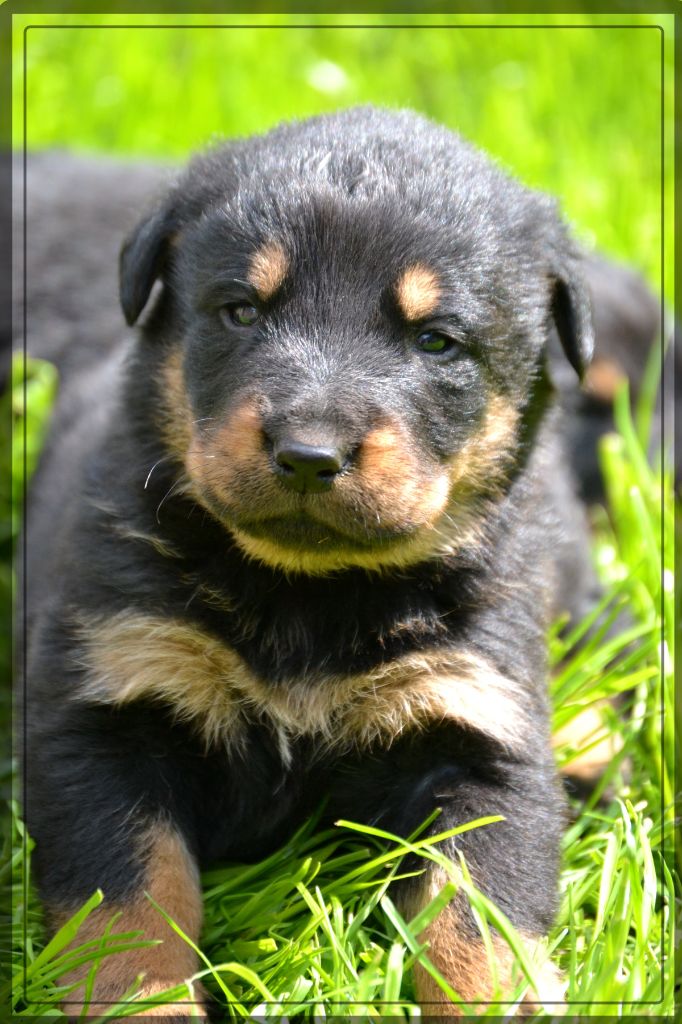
(313,929)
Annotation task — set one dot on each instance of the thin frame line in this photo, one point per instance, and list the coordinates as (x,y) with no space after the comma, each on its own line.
(25,389)
(24,518)
(664,830)
(335,27)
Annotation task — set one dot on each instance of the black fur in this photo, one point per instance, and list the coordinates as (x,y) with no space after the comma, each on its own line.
(354,199)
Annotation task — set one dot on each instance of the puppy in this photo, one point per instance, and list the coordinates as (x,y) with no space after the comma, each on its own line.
(302,536)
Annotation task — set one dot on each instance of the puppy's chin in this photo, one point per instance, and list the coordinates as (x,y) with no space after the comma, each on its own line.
(306,544)
(291,557)
(315,533)
(313,549)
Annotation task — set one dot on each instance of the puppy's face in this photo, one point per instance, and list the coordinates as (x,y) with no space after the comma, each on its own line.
(350,375)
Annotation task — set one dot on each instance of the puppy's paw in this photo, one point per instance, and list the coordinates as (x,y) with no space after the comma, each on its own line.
(180,1011)
(550,995)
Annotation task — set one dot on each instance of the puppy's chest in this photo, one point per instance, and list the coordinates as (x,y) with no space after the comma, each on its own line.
(378,691)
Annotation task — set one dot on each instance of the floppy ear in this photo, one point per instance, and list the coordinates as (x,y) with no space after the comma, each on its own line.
(571,312)
(142,259)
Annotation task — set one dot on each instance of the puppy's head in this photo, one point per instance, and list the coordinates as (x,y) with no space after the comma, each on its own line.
(353,318)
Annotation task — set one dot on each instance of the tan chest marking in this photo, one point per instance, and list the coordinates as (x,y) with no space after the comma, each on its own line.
(132,657)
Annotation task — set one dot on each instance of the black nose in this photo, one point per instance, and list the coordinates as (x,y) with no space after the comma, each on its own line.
(307,468)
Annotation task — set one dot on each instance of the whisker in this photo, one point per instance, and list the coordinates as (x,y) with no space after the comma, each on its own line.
(204,419)
(166,458)
(171,489)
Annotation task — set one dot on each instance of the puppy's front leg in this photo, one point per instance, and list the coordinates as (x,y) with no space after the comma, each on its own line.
(108,805)
(514,863)
(169,875)
(457,951)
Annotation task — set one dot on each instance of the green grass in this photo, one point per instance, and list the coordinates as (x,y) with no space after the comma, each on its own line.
(312,929)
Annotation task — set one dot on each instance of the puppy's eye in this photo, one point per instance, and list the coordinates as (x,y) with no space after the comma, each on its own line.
(434,341)
(241,314)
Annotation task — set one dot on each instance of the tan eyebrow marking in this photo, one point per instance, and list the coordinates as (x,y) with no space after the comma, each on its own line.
(417,292)
(267,269)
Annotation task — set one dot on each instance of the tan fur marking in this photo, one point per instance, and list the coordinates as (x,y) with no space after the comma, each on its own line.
(267,269)
(134,657)
(216,456)
(418,690)
(595,744)
(407,695)
(169,1010)
(241,437)
(484,457)
(172,880)
(462,959)
(130,657)
(397,479)
(417,292)
(175,416)
(602,379)
(427,543)
(435,510)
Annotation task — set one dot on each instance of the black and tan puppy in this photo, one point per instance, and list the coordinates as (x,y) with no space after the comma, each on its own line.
(304,535)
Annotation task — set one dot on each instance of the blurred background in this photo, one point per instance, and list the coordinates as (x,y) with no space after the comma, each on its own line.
(574,110)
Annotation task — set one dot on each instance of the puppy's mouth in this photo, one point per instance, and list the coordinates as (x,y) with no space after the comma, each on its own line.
(304,532)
